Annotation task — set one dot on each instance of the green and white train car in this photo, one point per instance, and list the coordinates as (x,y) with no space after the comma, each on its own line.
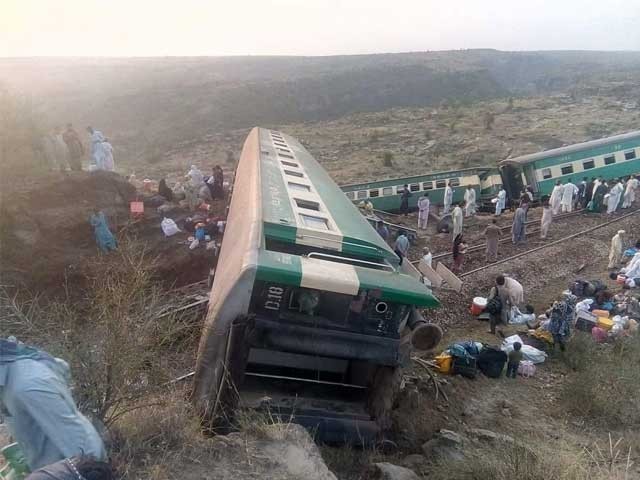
(386,194)
(611,157)
(305,292)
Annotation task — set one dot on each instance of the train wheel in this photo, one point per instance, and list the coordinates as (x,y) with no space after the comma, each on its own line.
(383,392)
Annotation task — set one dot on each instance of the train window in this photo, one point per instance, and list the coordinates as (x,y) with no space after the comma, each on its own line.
(387,191)
(308,204)
(289,164)
(294,174)
(441,183)
(315,222)
(610,160)
(589,164)
(427,185)
(566,170)
(300,187)
(374,193)
(350,195)
(455,182)
(285,155)
(630,155)
(414,187)
(546,173)
(361,194)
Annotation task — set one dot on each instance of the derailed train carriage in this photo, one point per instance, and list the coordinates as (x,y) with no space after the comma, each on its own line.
(311,314)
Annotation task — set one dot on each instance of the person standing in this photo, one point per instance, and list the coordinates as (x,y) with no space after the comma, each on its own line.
(501,201)
(469,202)
(614,197)
(569,191)
(459,252)
(556,198)
(448,198)
(629,192)
(616,250)
(401,247)
(561,317)
(582,191)
(104,238)
(492,234)
(97,154)
(525,202)
(61,150)
(547,219)
(404,200)
(588,192)
(426,260)
(519,227)
(75,148)
(423,211)
(382,230)
(599,191)
(515,357)
(457,218)
(107,152)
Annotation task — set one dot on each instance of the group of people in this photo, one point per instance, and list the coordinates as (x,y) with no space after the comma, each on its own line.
(64,150)
(594,195)
(200,188)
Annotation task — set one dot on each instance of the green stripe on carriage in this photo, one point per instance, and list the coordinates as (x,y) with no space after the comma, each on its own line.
(279,267)
(619,169)
(285,233)
(397,287)
(587,153)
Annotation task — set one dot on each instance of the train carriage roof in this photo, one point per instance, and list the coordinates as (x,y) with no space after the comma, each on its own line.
(302,205)
(577,147)
(446,174)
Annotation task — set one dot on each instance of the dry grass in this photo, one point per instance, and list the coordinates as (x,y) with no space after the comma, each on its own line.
(605,387)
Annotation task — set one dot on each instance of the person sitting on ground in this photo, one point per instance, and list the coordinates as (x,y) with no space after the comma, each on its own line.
(36,401)
(76,468)
(516,317)
(401,247)
(515,357)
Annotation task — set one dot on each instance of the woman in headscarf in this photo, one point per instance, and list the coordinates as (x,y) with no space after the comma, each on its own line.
(562,314)
(165,191)
(459,251)
(104,238)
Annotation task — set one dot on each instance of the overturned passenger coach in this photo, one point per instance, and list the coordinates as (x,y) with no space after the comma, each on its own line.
(312,315)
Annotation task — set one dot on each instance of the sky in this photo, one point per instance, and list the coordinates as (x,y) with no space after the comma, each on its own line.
(311,27)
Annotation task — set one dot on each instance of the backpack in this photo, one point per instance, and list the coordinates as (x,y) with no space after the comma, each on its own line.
(494,306)
(491,361)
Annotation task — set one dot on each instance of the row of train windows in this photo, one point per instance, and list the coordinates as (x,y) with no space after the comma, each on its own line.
(413,187)
(588,164)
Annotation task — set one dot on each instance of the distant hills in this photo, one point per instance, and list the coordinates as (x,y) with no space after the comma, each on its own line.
(142,101)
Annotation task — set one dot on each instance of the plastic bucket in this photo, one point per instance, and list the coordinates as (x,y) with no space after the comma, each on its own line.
(478,305)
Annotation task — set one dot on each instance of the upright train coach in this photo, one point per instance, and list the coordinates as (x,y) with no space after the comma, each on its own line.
(309,307)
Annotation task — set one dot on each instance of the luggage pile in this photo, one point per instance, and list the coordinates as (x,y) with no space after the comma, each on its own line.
(467,358)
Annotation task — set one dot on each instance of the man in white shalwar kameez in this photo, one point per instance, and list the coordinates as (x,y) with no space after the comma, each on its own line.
(457,217)
(630,192)
(501,201)
(469,202)
(569,190)
(107,152)
(556,198)
(615,252)
(423,211)
(97,152)
(448,198)
(614,197)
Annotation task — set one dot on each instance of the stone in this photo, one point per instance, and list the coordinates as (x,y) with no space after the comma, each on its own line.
(389,471)
(446,444)
(414,461)
(489,436)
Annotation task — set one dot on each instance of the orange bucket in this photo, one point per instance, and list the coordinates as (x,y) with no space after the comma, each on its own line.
(478,305)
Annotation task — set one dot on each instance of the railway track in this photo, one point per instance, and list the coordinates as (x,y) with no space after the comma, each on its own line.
(482,247)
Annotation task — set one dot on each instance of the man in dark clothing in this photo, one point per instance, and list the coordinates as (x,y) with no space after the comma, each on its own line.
(404,200)
(582,188)
(588,193)
(75,147)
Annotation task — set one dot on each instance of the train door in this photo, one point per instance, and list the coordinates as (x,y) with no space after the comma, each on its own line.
(529,174)
(512,181)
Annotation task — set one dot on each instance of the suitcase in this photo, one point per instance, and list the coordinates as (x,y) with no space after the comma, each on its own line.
(584,325)
(465,366)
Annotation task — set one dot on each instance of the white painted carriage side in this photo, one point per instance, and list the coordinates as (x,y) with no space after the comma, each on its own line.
(331,237)
(329,276)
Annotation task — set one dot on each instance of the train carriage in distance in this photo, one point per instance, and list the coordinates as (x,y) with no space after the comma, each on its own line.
(610,158)
(309,307)
(386,194)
